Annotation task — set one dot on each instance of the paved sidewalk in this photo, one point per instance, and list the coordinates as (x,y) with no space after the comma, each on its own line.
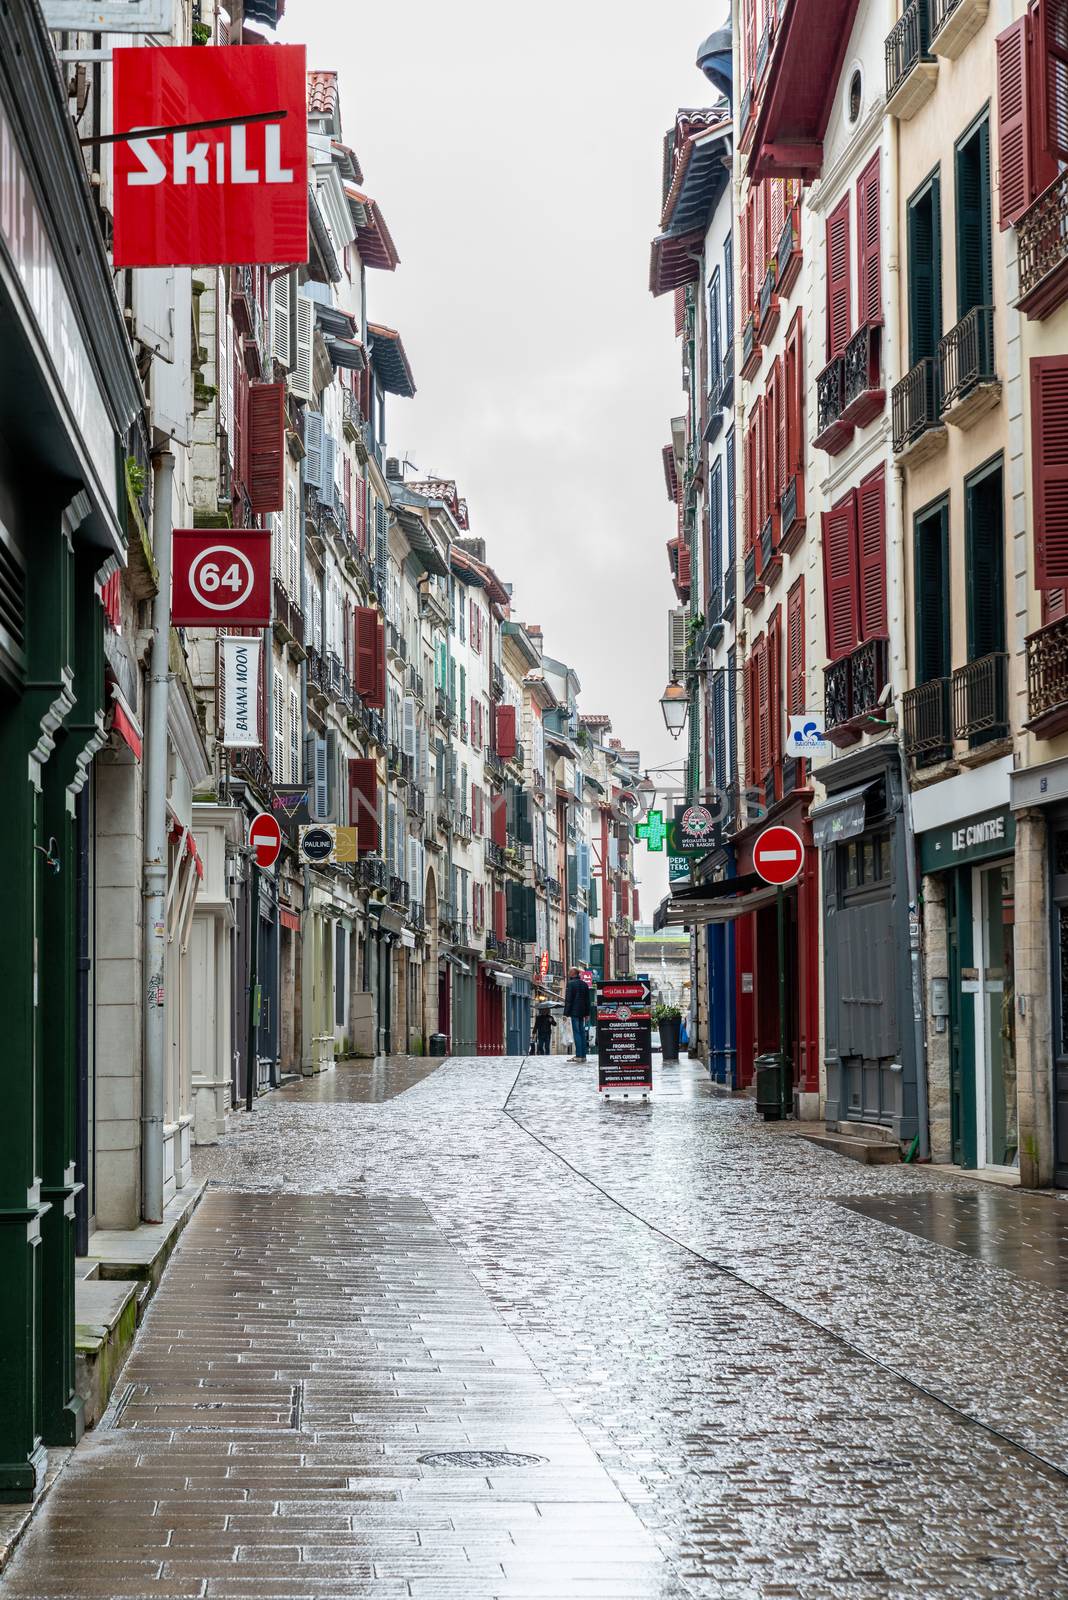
(775,1394)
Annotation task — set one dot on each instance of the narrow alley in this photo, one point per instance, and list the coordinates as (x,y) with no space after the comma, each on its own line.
(727,1363)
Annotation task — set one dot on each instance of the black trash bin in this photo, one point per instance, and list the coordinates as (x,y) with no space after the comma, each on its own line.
(439,1044)
(768,1071)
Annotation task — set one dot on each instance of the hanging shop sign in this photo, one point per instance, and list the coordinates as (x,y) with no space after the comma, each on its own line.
(241,659)
(806,736)
(693,831)
(972,839)
(652,830)
(234,192)
(324,843)
(678,868)
(290,803)
(624,1036)
(109,16)
(219,579)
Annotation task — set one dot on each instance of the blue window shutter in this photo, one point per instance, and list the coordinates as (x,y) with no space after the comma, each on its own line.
(313,447)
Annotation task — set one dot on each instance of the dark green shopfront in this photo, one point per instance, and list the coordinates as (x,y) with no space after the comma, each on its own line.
(69,398)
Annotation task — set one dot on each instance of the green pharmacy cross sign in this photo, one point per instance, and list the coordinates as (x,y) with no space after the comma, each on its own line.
(652,830)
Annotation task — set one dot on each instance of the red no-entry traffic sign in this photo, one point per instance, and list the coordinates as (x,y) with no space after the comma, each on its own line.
(265,837)
(778,854)
(221,580)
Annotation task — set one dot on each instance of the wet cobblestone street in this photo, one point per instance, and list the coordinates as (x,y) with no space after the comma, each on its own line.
(742,1385)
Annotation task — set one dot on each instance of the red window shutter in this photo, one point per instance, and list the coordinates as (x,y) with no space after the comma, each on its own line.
(1049,469)
(779,478)
(760,248)
(239,454)
(795,398)
(685,566)
(1051,77)
(749,25)
(778,213)
(871,541)
(366,651)
(869,245)
(380,663)
(763,709)
(363,803)
(795,649)
(750,711)
(745,250)
(1053,605)
(680,310)
(506,734)
(266,446)
(838,324)
(840,576)
(1014,130)
(498,820)
(752,476)
(774,653)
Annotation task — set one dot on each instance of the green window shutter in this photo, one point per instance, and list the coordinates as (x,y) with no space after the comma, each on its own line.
(984,543)
(530,915)
(932,596)
(925,273)
(591,898)
(572,874)
(974,266)
(524,831)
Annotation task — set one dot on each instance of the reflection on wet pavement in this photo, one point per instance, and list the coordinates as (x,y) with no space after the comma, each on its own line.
(1025,1234)
(365,1081)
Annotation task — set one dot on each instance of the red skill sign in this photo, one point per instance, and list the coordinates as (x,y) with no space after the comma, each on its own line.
(778,854)
(265,837)
(220,579)
(211,196)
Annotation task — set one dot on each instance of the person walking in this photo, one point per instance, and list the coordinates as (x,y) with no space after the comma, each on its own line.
(543,1030)
(577,1007)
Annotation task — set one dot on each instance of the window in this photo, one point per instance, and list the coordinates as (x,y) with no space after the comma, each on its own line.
(838,267)
(972,174)
(855,98)
(795,649)
(1049,471)
(869,246)
(715,536)
(728,287)
(931,584)
(864,863)
(854,567)
(924,245)
(714,357)
(794,407)
(732,550)
(984,560)
(1032,85)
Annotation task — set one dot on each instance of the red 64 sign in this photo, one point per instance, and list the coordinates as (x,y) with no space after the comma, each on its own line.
(221,579)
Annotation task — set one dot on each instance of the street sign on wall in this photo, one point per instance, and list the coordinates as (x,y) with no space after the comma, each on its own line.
(624,1036)
(220,580)
(109,16)
(778,854)
(211,196)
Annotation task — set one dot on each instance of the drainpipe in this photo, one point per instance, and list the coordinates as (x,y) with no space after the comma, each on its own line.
(896,519)
(155,850)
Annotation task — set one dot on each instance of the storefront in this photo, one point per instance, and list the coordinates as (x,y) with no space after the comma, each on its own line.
(869,1036)
(969,936)
(716,943)
(520,1020)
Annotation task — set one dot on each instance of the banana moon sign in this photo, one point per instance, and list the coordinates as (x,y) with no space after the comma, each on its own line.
(624,1036)
(216,172)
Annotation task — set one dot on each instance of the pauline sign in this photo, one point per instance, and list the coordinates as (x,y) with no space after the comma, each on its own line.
(215,195)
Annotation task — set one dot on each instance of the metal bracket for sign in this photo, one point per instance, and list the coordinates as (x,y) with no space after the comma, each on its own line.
(183,127)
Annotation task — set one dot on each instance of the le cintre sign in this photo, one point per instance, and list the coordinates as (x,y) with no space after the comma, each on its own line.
(972,839)
(216,170)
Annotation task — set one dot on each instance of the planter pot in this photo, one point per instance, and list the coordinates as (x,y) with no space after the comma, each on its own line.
(669,1038)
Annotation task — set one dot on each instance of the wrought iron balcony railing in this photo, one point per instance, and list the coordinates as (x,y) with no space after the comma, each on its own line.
(398,891)
(1047,679)
(915,404)
(496,855)
(288,617)
(497,684)
(788,253)
(852,686)
(726,377)
(753,585)
(768,304)
(1042,243)
(926,732)
(966,358)
(730,590)
(832,432)
(980,699)
(373,872)
(863,396)
(417,916)
(905,49)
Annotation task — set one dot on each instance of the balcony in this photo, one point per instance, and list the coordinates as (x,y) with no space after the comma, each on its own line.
(916,408)
(441,706)
(792,513)
(515,950)
(416,802)
(373,874)
(399,892)
(926,733)
(351,416)
(726,378)
(1047,679)
(249,763)
(462,827)
(730,593)
(833,433)
(745,122)
(751,351)
(318,679)
(497,684)
(416,685)
(443,812)
(496,855)
(966,371)
(713,414)
(553,889)
(980,700)
(518,758)
(911,70)
(376,728)
(1042,242)
(768,305)
(788,253)
(393,759)
(753,586)
(954,23)
(539,783)
(463,729)
(288,621)
(851,690)
(863,396)
(494,764)
(417,916)
(770,554)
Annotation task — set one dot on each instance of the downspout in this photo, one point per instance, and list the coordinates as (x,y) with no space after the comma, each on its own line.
(897,521)
(154,934)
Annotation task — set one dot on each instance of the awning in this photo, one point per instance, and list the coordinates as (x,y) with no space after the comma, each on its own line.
(347,353)
(693,913)
(454,961)
(389,360)
(840,816)
(124,723)
(373,239)
(407,938)
(289,919)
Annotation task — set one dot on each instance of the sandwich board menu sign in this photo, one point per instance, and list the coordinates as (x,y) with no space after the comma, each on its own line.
(624,1036)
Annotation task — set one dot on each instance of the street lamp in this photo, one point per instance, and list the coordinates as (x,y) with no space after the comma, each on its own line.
(675,702)
(646,792)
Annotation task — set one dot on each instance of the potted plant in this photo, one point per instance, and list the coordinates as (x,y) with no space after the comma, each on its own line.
(668,1020)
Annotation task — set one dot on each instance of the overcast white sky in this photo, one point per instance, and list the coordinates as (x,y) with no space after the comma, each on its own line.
(516,153)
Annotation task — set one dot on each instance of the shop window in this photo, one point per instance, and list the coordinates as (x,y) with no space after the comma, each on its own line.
(863,864)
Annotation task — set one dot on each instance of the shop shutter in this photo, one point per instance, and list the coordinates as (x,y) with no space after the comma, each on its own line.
(1014,122)
(363,803)
(871,539)
(1049,469)
(1051,53)
(840,577)
(266,447)
(838,323)
(366,624)
(506,732)
(869,245)
(795,649)
(313,449)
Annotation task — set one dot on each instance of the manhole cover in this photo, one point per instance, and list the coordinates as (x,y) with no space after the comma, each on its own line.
(479,1458)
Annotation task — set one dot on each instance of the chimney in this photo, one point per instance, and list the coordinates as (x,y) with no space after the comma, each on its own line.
(393,470)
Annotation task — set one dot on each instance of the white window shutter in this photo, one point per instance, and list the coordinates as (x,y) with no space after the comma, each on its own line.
(320,782)
(677,642)
(409,726)
(326,482)
(313,449)
(294,736)
(281,314)
(301,379)
(293,544)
